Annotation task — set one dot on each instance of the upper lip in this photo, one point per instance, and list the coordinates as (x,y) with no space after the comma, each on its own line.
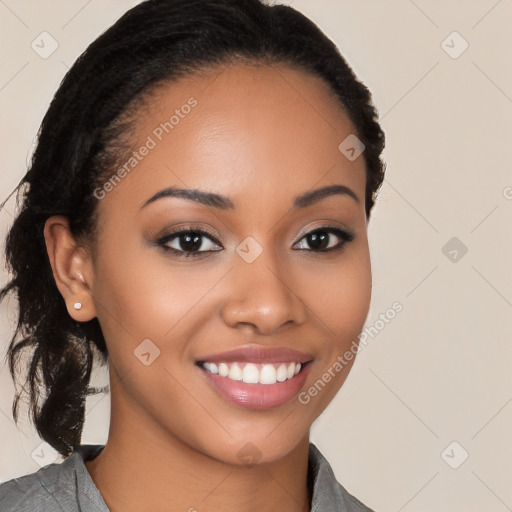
(258,354)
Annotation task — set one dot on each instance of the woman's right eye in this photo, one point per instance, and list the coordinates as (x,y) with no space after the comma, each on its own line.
(189,242)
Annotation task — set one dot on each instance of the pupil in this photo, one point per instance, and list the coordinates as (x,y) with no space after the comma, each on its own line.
(319,240)
(190,242)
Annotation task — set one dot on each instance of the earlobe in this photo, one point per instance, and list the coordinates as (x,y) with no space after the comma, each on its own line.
(70,262)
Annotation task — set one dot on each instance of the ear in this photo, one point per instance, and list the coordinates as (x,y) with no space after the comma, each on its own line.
(72,268)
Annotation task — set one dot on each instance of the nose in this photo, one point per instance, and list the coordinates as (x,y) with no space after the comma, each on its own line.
(261,295)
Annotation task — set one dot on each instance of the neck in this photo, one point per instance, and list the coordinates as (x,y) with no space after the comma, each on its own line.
(144,469)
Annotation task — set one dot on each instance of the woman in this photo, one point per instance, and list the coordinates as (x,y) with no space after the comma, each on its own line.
(196,215)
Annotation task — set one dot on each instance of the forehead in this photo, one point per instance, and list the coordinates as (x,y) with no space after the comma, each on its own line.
(241,130)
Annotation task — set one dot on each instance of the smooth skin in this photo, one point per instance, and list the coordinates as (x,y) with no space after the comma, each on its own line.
(260,135)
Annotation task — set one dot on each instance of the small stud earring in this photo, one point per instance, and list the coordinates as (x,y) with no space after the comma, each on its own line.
(77,305)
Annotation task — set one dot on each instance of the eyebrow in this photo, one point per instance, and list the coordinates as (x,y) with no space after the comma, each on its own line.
(223,203)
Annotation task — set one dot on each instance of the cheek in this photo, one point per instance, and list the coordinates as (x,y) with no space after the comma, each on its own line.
(129,301)
(140,294)
(343,305)
(341,295)
(137,302)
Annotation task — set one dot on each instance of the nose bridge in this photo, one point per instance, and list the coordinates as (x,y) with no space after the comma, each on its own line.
(259,293)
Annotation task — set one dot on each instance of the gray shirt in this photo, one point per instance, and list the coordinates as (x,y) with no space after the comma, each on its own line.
(68,487)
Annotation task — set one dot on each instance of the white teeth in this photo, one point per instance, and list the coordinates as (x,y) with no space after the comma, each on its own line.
(252,373)
(282,373)
(235,373)
(268,374)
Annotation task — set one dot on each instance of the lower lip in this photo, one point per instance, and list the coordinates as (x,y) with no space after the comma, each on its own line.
(257,396)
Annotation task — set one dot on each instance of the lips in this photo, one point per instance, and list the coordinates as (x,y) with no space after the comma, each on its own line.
(259,354)
(257,377)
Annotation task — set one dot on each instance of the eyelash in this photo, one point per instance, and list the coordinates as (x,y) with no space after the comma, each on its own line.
(344,236)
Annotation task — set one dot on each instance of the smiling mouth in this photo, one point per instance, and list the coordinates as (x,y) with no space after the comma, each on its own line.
(256,377)
(254,373)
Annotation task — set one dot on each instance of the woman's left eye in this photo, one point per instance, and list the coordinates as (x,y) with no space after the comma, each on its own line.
(195,242)
(324,239)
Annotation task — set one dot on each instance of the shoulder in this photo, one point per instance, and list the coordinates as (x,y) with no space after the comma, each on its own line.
(35,492)
(52,488)
(328,494)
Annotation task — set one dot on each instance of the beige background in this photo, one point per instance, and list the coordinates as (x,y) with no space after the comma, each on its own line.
(440,372)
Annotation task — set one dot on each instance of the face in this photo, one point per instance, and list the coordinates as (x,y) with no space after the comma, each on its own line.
(255,277)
